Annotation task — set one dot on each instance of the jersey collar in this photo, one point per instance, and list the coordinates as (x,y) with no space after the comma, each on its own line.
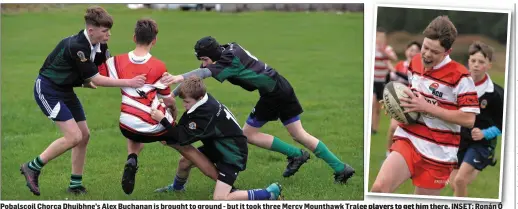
(97,47)
(138,60)
(199,103)
(444,62)
(485,87)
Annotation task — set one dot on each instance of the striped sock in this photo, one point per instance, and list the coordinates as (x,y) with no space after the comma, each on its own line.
(36,164)
(76,181)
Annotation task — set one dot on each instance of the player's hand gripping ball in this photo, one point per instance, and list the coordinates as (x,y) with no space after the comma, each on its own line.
(392,94)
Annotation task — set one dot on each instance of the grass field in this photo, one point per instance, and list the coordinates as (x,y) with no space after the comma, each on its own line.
(485,186)
(320,53)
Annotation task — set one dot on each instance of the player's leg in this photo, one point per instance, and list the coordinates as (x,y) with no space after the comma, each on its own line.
(424,191)
(451,180)
(376,108)
(267,109)
(395,169)
(56,110)
(390,134)
(79,151)
(342,171)
(226,178)
(131,165)
(200,158)
(181,177)
(473,162)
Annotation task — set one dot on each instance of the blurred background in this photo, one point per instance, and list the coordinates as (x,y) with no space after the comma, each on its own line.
(404,25)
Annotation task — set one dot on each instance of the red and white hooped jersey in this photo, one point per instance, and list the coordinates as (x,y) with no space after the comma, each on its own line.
(381,65)
(137,102)
(449,86)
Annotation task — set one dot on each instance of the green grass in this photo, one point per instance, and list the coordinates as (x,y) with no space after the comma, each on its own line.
(486,184)
(320,53)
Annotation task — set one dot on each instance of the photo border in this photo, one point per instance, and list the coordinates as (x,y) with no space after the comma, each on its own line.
(368,120)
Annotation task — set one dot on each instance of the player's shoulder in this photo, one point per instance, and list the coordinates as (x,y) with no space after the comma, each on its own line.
(78,42)
(156,62)
(499,90)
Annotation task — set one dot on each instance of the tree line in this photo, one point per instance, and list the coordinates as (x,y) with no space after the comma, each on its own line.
(492,25)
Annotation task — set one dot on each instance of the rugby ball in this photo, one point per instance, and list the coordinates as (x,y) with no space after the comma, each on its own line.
(391,94)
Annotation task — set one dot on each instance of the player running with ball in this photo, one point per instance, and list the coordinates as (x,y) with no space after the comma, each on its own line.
(445,95)
(277,101)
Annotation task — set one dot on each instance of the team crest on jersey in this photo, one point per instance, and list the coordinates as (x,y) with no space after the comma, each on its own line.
(81,56)
(483,104)
(433,88)
(192,125)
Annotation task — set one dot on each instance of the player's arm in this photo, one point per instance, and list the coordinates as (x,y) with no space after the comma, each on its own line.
(188,130)
(200,72)
(497,115)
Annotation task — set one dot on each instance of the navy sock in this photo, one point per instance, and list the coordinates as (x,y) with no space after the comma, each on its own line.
(258,194)
(179,183)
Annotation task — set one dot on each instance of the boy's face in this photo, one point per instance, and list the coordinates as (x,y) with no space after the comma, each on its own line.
(205,61)
(99,34)
(381,39)
(478,64)
(412,51)
(432,53)
(188,102)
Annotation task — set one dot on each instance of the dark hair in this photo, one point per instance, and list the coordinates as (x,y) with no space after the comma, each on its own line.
(483,48)
(99,17)
(146,30)
(442,29)
(414,43)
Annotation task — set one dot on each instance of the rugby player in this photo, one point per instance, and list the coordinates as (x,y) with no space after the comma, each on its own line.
(135,121)
(382,67)
(277,101)
(400,74)
(73,63)
(478,145)
(224,143)
(445,95)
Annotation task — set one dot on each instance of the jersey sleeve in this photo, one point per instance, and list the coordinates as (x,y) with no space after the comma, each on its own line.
(190,128)
(498,108)
(467,98)
(81,57)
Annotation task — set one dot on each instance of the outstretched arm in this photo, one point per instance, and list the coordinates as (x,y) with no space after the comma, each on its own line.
(171,79)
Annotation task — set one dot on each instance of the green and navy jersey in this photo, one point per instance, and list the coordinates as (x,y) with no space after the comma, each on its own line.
(71,63)
(241,68)
(211,122)
(491,101)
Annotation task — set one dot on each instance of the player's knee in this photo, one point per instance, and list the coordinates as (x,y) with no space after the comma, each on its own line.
(184,163)
(250,132)
(461,181)
(380,187)
(220,197)
(85,137)
(74,137)
(298,134)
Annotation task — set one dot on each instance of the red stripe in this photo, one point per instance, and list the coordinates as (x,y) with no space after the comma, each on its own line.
(380,76)
(467,94)
(381,58)
(144,116)
(468,99)
(429,160)
(138,99)
(482,81)
(439,138)
(441,103)
(380,68)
